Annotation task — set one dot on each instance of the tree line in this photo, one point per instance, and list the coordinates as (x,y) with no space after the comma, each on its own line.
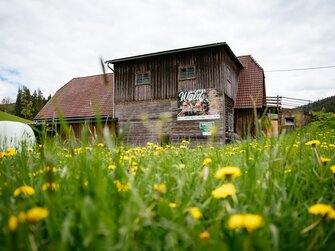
(27,103)
(324,105)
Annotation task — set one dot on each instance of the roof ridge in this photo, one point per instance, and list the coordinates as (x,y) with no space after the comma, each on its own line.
(95,75)
(253,59)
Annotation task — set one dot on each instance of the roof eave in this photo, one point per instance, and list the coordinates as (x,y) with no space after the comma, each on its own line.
(223,44)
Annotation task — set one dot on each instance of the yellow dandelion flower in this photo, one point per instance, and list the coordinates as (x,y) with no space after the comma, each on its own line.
(172,205)
(332,168)
(249,222)
(50,186)
(161,188)
(324,160)
(224,191)
(111,167)
(195,212)
(186,142)
(204,235)
(22,217)
(121,187)
(26,190)
(13,223)
(10,151)
(313,143)
(206,161)
(182,166)
(36,214)
(229,172)
(289,170)
(321,209)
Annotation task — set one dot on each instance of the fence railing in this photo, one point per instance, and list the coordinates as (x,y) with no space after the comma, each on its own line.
(286,102)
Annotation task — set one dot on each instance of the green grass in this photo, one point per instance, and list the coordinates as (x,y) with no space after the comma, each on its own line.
(9,117)
(108,197)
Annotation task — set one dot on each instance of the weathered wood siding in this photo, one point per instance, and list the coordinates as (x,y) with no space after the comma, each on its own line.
(211,66)
(135,102)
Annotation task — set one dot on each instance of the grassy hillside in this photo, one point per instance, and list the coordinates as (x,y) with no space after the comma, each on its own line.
(9,117)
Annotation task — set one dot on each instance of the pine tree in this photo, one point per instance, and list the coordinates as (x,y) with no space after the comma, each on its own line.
(18,103)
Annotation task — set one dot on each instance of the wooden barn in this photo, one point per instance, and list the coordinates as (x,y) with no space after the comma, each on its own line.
(80,103)
(195,93)
(178,94)
(251,97)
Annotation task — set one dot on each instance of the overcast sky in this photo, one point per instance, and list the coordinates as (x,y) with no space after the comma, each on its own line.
(46,43)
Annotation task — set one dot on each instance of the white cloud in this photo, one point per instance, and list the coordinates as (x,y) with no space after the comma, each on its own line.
(51,42)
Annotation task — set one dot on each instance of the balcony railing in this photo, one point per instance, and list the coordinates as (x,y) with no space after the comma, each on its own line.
(286,102)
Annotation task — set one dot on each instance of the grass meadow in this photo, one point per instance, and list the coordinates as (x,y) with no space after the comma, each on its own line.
(267,194)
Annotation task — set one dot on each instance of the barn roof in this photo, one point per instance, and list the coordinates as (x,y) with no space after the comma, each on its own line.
(81,97)
(220,44)
(251,84)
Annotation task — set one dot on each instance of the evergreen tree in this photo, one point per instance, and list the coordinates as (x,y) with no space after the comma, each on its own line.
(27,103)
(18,103)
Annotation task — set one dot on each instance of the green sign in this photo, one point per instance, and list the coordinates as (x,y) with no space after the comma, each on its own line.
(206,127)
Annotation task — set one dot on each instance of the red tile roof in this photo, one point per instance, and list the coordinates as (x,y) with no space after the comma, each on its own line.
(81,97)
(251,84)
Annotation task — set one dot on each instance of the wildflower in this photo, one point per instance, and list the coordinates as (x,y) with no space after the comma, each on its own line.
(100,145)
(10,151)
(289,170)
(182,166)
(206,161)
(324,160)
(50,186)
(172,205)
(29,149)
(313,143)
(13,223)
(245,221)
(195,212)
(26,190)
(111,167)
(121,187)
(185,142)
(332,168)
(161,188)
(204,235)
(229,172)
(22,217)
(36,214)
(224,191)
(322,210)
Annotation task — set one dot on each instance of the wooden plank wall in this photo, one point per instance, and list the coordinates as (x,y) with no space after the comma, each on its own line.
(160,96)
(210,73)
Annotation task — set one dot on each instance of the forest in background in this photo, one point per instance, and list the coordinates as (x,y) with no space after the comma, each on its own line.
(26,105)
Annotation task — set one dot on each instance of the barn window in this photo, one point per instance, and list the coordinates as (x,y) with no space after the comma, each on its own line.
(186,72)
(142,78)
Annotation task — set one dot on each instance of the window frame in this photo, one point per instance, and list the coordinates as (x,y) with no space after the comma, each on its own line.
(186,67)
(147,82)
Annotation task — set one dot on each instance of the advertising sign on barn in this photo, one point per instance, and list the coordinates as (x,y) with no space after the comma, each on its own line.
(198,104)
